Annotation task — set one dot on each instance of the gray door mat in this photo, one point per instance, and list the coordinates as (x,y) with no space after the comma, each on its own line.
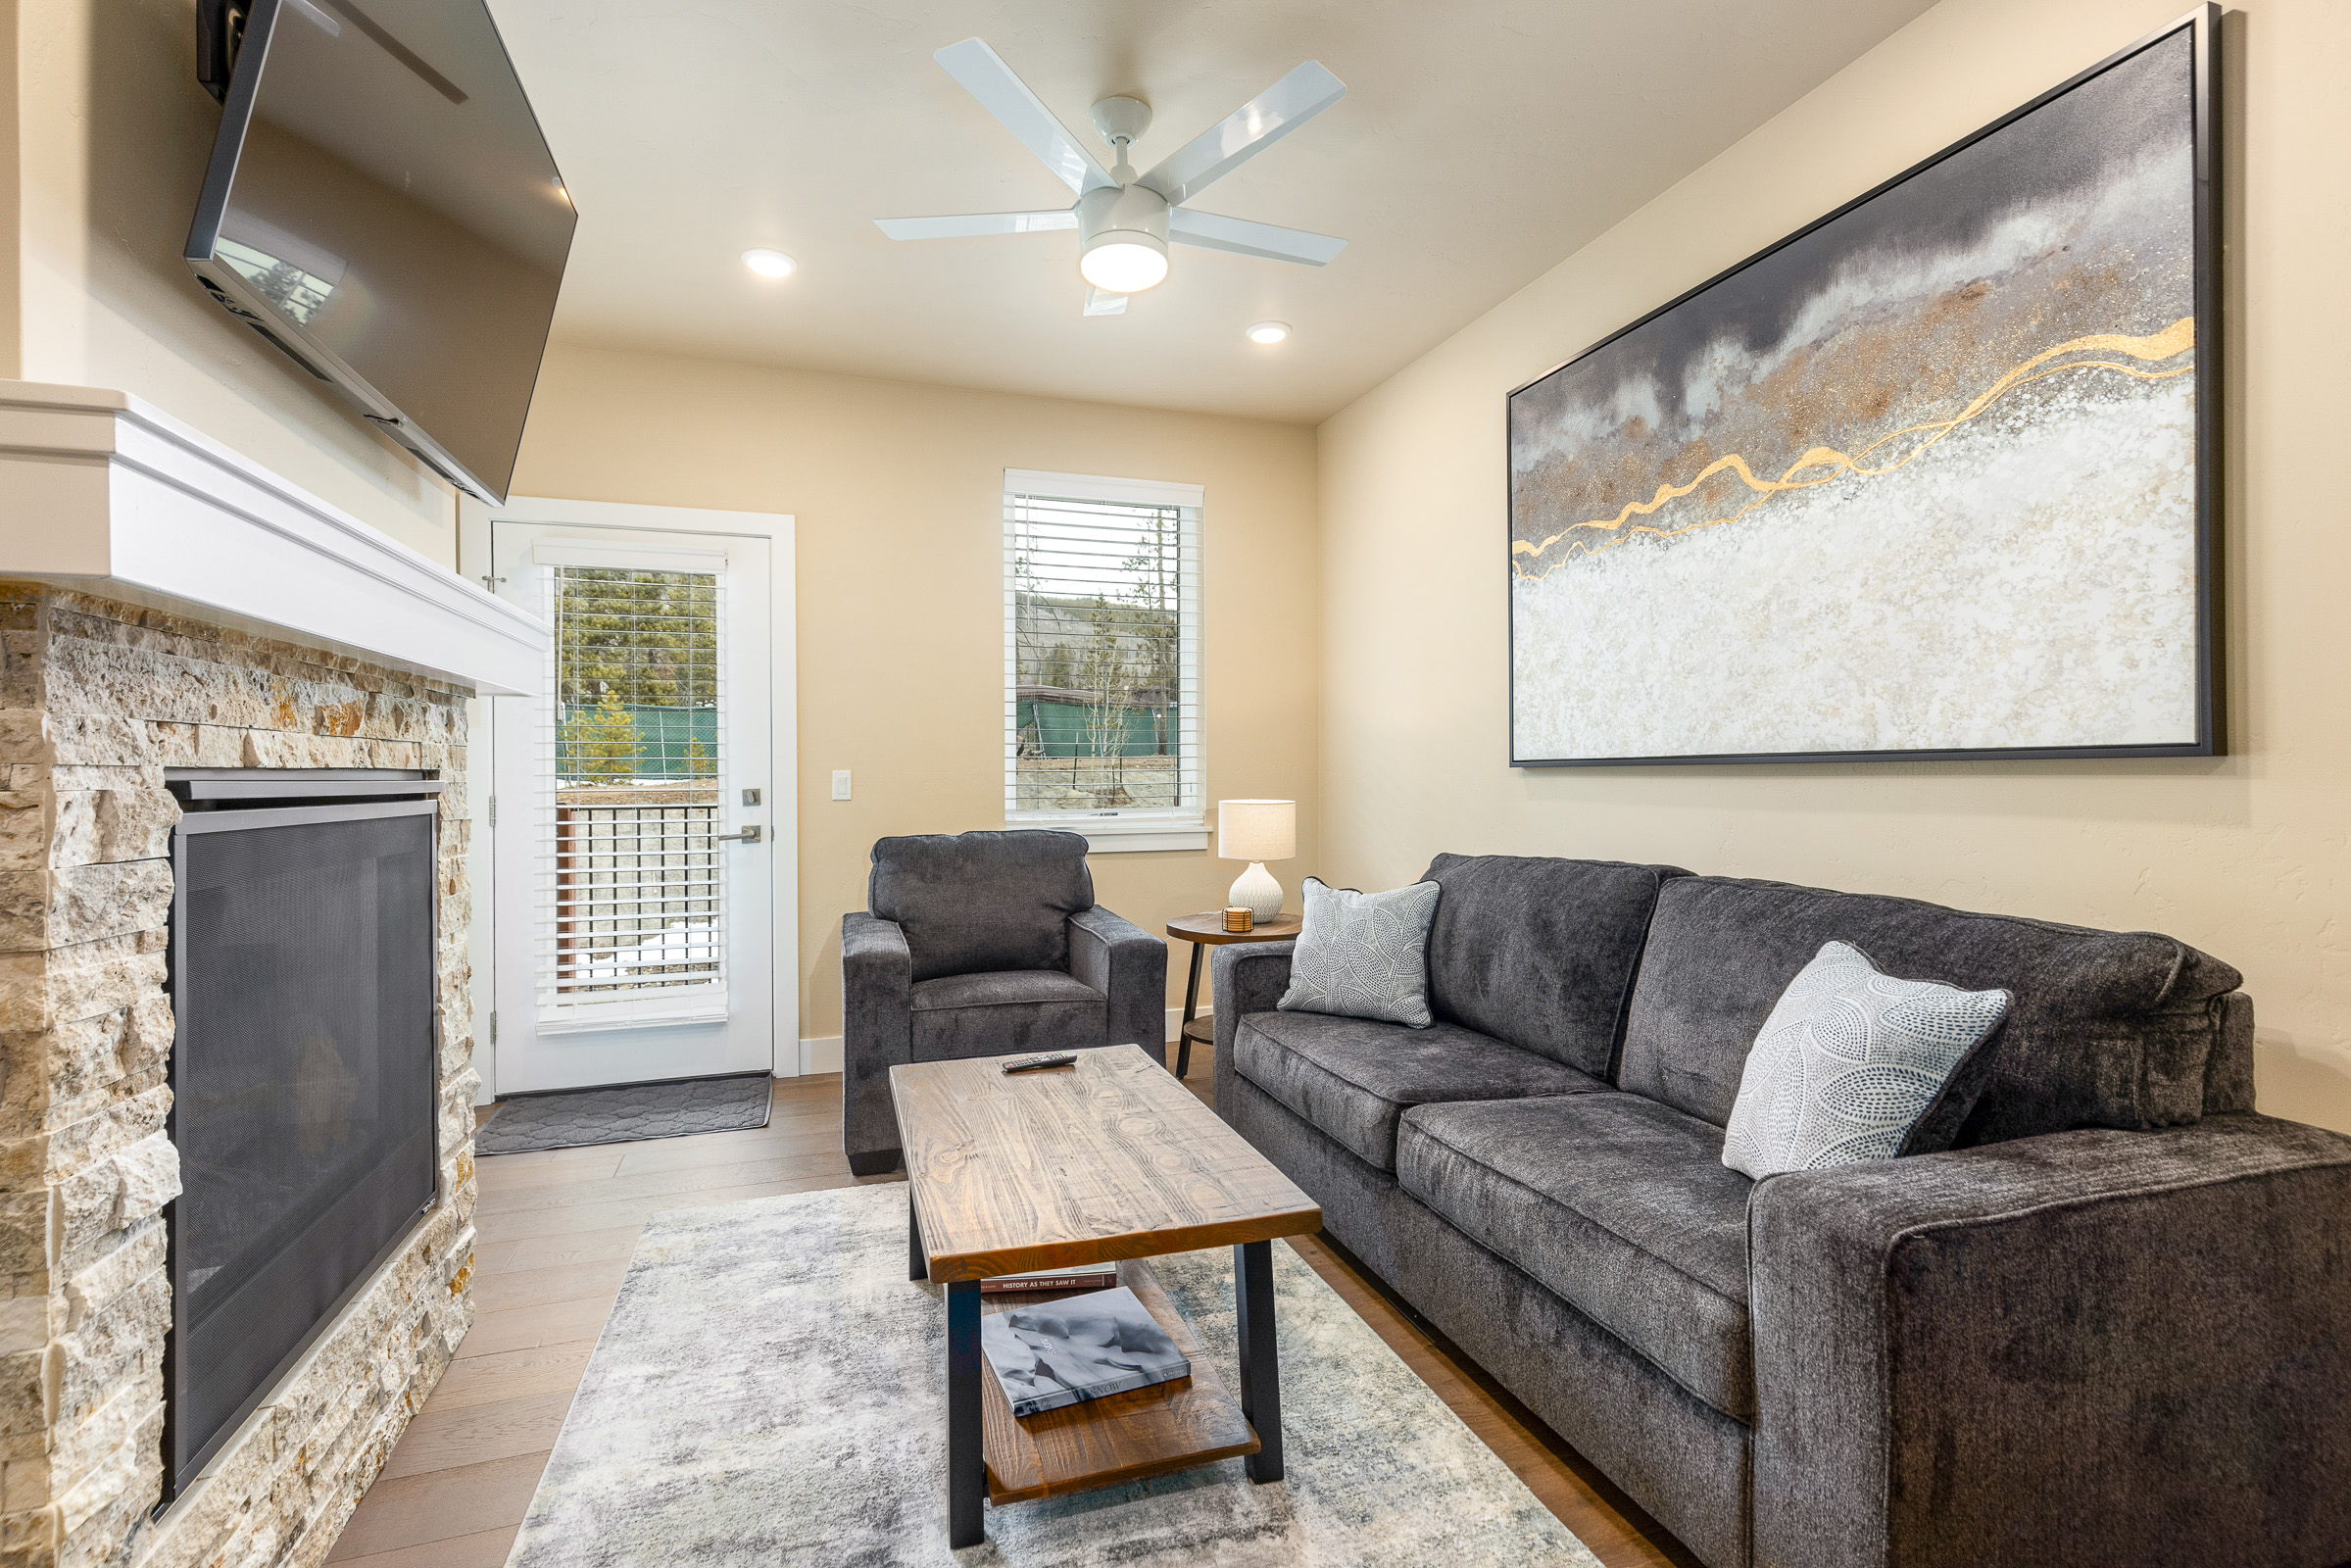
(579,1118)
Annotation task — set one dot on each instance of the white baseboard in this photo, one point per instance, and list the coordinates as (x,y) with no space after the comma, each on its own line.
(1175,1021)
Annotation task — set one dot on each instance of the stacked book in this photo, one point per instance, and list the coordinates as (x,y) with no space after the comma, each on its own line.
(1082,1348)
(1083,1277)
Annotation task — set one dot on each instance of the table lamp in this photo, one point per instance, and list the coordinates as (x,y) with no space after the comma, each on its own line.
(1256,831)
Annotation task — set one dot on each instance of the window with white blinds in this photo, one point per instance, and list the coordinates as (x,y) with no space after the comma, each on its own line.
(1102,652)
(629,877)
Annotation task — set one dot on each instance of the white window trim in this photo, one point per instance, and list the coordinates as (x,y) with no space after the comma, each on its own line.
(1122,832)
(1101,487)
(1137,831)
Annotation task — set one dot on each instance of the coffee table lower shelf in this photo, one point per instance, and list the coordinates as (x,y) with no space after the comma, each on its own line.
(1145,1432)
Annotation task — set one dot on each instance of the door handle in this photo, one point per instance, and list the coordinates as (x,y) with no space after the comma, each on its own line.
(750,835)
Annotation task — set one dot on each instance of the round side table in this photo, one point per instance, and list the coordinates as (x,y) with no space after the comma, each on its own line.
(1204,931)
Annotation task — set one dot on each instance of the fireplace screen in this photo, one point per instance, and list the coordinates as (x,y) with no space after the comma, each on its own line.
(303,1074)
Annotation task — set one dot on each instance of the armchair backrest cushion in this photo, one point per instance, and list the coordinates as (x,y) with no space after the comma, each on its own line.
(2107,1028)
(976,903)
(1540,951)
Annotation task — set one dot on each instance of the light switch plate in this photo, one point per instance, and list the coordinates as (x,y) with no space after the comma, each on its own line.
(840,783)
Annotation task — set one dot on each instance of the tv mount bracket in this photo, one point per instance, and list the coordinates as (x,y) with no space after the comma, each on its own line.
(220,33)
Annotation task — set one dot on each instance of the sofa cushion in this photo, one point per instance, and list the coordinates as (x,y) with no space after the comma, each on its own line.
(1854,1065)
(1620,1205)
(970,902)
(2107,1028)
(1016,1009)
(1354,1078)
(1363,954)
(1537,952)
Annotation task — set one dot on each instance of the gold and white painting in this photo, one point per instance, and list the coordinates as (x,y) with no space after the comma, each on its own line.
(1923,478)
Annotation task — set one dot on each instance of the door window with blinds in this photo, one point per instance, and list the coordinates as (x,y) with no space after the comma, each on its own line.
(630,881)
(1101,658)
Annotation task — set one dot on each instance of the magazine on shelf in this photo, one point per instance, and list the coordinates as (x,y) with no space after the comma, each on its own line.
(1083,1277)
(1084,1348)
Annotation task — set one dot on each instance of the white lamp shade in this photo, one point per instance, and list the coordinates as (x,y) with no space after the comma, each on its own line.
(1256,830)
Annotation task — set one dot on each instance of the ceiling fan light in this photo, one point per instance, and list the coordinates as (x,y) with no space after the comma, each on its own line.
(767,263)
(1124,262)
(1269,331)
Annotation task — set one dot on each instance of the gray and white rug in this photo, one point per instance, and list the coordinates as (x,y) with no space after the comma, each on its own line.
(632,1113)
(768,1390)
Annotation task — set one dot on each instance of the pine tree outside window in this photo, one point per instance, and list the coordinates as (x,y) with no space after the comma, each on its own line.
(1101,659)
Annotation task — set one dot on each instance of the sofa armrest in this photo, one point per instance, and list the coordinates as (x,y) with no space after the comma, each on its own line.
(1243,978)
(877,1032)
(2089,1348)
(1128,965)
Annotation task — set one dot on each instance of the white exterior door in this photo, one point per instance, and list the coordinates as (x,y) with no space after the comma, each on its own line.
(635,814)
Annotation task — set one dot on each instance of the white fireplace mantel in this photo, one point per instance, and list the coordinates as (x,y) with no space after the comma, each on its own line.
(100,491)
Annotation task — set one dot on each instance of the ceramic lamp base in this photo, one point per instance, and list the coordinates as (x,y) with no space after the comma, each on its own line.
(1255,891)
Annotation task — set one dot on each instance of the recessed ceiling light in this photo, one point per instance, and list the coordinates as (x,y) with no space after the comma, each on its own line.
(767,263)
(1269,331)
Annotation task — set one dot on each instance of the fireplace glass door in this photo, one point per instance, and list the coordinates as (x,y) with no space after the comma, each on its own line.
(303,1073)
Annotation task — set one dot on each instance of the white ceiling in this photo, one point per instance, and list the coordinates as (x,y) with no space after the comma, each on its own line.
(1480,142)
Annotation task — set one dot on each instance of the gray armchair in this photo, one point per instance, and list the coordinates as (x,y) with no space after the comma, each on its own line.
(980,945)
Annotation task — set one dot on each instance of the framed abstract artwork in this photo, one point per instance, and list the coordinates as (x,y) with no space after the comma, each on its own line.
(1934,478)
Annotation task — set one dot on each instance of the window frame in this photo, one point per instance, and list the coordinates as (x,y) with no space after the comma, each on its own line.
(1180,827)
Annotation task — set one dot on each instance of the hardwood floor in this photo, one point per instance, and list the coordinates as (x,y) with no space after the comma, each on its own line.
(557,1230)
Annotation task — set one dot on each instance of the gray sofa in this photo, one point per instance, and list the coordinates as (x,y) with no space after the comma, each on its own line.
(2110,1323)
(979,944)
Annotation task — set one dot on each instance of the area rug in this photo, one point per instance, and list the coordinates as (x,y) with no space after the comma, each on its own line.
(768,1390)
(579,1118)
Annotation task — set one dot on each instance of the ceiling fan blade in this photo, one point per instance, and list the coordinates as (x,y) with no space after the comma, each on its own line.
(960,224)
(1245,238)
(1100,303)
(1244,133)
(985,75)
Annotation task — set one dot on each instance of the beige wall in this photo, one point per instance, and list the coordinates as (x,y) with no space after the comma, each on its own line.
(114,138)
(2248,855)
(897,494)
(11,196)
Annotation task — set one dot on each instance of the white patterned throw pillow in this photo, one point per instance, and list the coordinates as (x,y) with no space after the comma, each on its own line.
(1848,1062)
(1363,954)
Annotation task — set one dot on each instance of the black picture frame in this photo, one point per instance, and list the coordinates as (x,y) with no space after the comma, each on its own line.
(2204,25)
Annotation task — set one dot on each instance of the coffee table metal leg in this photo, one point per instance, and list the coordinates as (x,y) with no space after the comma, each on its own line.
(966,1467)
(1200,950)
(918,1262)
(1260,1373)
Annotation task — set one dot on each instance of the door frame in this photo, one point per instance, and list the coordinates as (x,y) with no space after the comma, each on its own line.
(782,806)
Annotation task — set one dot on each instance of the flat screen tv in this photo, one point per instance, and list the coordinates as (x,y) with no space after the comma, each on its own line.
(382,208)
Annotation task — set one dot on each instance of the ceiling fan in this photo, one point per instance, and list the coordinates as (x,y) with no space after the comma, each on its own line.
(1125,221)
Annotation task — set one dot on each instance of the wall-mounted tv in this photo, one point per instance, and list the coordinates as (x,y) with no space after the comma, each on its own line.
(382,208)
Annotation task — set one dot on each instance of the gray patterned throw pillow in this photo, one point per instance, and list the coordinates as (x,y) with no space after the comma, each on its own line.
(1363,954)
(1848,1062)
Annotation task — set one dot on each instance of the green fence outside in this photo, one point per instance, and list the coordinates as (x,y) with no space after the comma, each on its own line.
(683,742)
(1059,729)
(669,742)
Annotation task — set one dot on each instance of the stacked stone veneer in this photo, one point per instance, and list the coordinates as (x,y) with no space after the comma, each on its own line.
(96,699)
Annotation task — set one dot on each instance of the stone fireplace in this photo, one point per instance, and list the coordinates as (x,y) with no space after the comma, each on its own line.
(112,671)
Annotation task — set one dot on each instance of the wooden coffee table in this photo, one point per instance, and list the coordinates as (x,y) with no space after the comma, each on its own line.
(1109,1161)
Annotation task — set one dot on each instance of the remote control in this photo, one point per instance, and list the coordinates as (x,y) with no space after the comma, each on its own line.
(1032,1063)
